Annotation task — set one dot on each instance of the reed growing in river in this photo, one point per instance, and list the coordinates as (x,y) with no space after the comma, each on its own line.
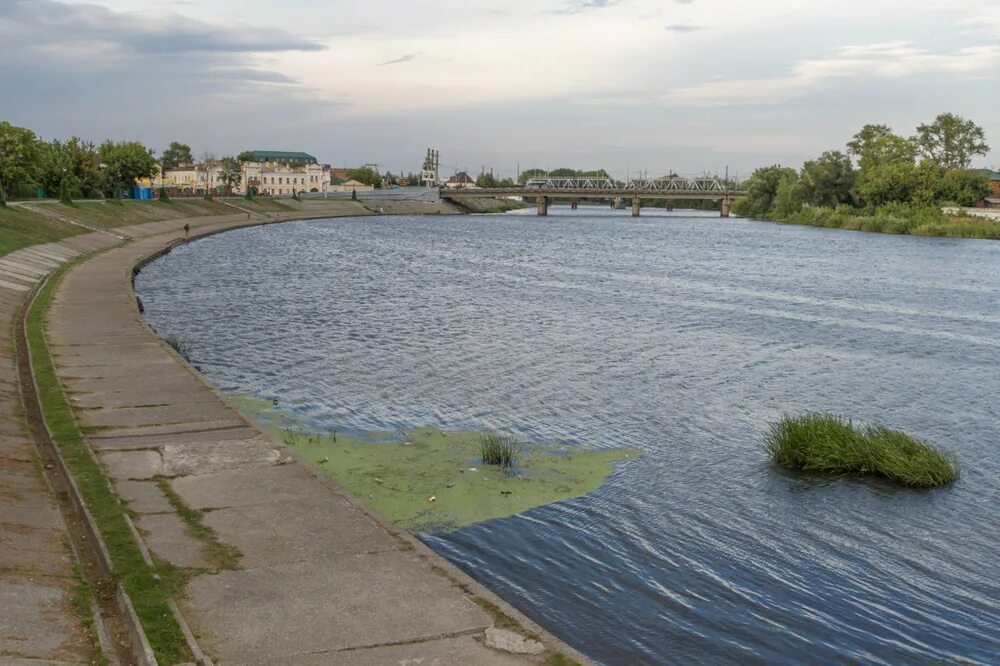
(830,444)
(499,449)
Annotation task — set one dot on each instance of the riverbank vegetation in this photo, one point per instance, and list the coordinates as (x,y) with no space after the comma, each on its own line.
(830,444)
(883,183)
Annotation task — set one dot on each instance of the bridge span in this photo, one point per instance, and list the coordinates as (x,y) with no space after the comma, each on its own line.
(544,190)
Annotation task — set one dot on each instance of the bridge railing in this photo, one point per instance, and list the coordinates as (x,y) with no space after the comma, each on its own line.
(697,184)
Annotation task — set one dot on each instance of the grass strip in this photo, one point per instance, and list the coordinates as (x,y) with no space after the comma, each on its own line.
(830,444)
(148,586)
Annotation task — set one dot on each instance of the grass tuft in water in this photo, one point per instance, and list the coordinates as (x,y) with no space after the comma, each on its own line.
(499,449)
(831,444)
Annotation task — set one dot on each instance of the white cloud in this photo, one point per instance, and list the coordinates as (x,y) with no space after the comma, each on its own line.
(875,61)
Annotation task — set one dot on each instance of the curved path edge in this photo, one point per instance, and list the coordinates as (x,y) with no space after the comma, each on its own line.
(322,578)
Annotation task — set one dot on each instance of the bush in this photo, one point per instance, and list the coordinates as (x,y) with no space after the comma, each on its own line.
(830,444)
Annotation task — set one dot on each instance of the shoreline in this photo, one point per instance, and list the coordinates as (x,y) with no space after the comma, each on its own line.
(172,434)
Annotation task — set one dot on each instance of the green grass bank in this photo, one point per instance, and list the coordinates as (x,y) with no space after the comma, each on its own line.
(31,223)
(830,444)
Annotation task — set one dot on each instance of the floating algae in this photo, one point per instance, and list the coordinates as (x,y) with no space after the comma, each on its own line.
(434,481)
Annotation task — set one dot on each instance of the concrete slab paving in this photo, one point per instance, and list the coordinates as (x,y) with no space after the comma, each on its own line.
(166,537)
(192,458)
(457,651)
(132,464)
(36,622)
(161,414)
(117,440)
(301,530)
(371,600)
(245,487)
(142,496)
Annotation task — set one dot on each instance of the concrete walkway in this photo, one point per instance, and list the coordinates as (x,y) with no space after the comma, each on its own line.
(37,582)
(321,580)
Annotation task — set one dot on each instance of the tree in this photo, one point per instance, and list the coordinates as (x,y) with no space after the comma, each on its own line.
(70,167)
(175,155)
(125,162)
(827,180)
(788,198)
(366,175)
(762,188)
(962,187)
(861,142)
(951,141)
(486,180)
(528,174)
(885,183)
(247,156)
(231,173)
(877,145)
(19,156)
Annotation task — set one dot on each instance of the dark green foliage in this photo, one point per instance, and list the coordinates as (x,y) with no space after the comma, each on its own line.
(20,154)
(164,195)
(827,180)
(762,189)
(366,175)
(175,155)
(231,173)
(124,162)
(499,449)
(830,444)
(951,141)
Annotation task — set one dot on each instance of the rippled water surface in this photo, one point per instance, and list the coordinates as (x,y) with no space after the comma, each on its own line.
(681,335)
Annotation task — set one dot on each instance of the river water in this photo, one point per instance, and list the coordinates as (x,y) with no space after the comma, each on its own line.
(681,335)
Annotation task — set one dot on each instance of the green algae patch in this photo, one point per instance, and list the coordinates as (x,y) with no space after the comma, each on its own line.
(429,480)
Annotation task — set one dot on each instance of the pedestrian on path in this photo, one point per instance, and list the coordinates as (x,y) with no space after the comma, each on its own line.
(187,229)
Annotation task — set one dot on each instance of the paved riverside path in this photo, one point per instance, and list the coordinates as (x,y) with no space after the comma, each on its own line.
(37,584)
(321,580)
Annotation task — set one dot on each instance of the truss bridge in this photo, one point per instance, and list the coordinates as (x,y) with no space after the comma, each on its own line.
(673,188)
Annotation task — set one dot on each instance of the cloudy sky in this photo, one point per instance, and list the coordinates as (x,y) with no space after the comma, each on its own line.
(655,85)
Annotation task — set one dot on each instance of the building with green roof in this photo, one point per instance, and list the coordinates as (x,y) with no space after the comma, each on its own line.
(282,157)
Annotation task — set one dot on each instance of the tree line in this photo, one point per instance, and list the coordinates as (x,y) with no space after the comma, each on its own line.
(79,169)
(879,169)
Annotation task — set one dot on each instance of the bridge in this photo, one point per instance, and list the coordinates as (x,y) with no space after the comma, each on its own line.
(671,189)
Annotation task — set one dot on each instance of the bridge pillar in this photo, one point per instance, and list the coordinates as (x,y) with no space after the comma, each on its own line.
(726,205)
(543,206)
(619,204)
(573,205)
(670,204)
(636,206)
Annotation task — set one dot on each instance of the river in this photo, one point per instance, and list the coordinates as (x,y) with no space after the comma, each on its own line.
(678,334)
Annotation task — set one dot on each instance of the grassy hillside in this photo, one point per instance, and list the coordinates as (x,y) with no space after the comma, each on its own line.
(21,226)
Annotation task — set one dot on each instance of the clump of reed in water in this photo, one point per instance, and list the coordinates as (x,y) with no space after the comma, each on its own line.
(499,449)
(830,444)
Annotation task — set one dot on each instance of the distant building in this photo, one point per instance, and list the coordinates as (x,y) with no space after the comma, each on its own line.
(276,179)
(461,179)
(281,157)
(349,185)
(992,200)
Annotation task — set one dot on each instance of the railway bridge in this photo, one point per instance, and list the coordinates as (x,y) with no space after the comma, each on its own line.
(544,190)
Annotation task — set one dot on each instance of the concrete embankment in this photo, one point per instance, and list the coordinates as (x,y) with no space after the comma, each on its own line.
(320,578)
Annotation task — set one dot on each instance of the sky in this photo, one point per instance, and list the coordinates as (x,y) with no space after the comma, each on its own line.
(631,86)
